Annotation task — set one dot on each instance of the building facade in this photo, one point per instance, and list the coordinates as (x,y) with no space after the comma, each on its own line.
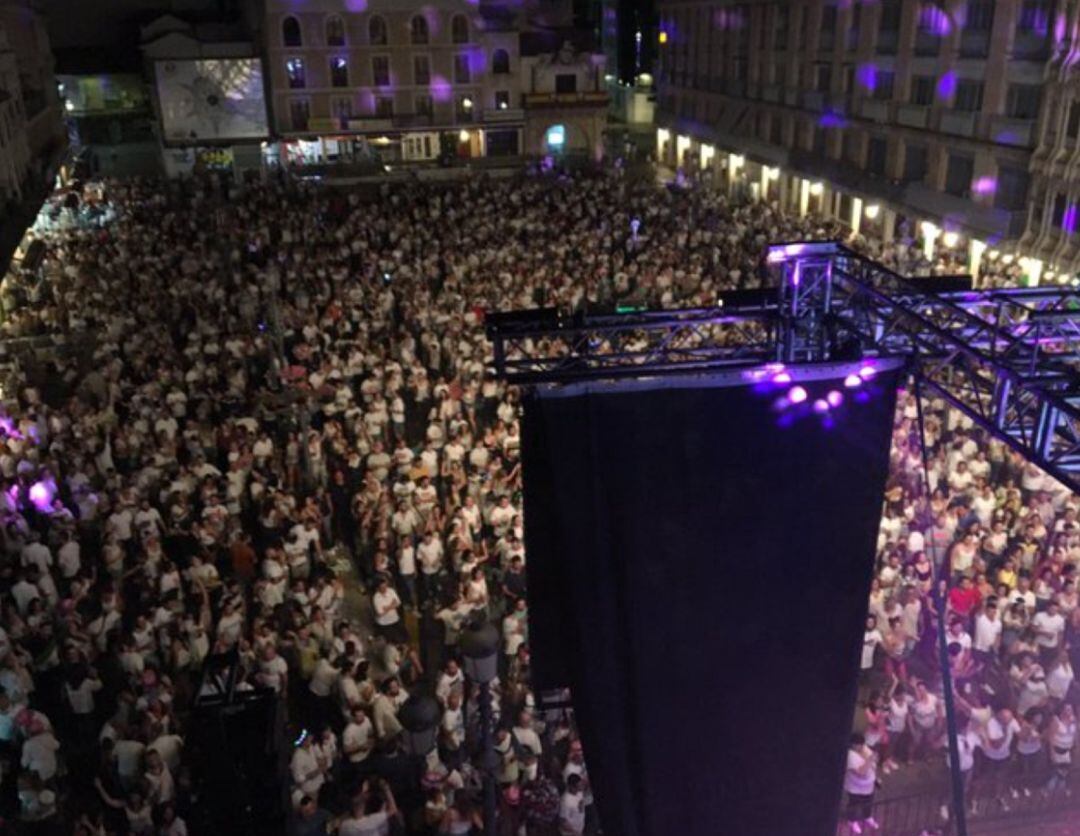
(415,82)
(32,133)
(896,116)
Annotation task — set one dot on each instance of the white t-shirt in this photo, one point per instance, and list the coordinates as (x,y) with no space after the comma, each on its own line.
(871,639)
(571,814)
(385,613)
(358,734)
(1054,624)
(998,742)
(374,824)
(986,632)
(855,783)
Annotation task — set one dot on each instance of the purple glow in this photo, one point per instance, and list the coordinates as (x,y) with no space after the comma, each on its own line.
(356,6)
(13,494)
(796,394)
(935,20)
(834,398)
(852,380)
(831,119)
(778,254)
(984,185)
(41,494)
(867,372)
(1060,25)
(946,85)
(821,406)
(728,19)
(866,76)
(7,425)
(1007,138)
(440,89)
(1068,220)
(783,377)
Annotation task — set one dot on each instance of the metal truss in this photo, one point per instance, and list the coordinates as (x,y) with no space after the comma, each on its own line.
(1008,359)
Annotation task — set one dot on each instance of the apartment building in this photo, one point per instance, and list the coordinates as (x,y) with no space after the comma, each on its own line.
(900,117)
(32,134)
(416,82)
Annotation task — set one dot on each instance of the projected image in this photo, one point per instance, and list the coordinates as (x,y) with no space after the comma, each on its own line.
(212,100)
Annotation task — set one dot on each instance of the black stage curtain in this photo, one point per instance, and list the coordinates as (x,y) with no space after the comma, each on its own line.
(698,569)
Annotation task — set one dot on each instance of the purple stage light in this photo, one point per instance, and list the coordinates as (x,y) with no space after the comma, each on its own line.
(1068,220)
(984,185)
(852,381)
(831,119)
(782,377)
(41,494)
(946,85)
(356,6)
(834,398)
(866,76)
(935,20)
(441,90)
(796,394)
(867,372)
(821,406)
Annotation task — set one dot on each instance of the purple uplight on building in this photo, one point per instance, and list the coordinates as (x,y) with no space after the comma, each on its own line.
(946,86)
(834,398)
(356,6)
(832,119)
(1068,220)
(935,20)
(441,91)
(866,76)
(984,185)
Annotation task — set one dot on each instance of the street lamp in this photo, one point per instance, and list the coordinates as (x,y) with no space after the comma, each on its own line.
(419,716)
(480,650)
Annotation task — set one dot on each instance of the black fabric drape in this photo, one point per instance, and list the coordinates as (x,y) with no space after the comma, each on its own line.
(699,567)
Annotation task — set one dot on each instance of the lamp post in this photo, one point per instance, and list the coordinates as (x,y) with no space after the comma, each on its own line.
(419,716)
(480,650)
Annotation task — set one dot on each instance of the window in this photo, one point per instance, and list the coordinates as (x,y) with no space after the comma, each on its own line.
(1034,17)
(342,109)
(876,155)
(502,99)
(922,90)
(823,82)
(290,32)
(969,95)
(828,19)
(776,131)
(1012,189)
(462,73)
(890,16)
(1057,217)
(424,104)
(914,163)
(376,31)
(1022,101)
(421,69)
(418,30)
(780,37)
(294,69)
(883,86)
(566,83)
(384,107)
(1072,126)
(958,175)
(851,147)
(980,16)
(500,62)
(380,70)
(335,31)
(299,113)
(459,29)
(339,72)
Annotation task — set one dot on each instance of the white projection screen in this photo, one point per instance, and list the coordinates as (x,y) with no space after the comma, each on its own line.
(211,100)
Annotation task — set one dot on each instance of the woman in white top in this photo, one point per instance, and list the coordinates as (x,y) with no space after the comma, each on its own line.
(859,780)
(1061,740)
(387,606)
(899,741)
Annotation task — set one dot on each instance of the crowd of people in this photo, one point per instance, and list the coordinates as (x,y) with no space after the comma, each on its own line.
(285,448)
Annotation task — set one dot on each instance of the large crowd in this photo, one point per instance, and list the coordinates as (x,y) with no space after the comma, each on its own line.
(280,440)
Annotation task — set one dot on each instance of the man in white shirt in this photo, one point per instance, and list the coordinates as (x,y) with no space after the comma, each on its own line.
(68,557)
(987,632)
(358,739)
(572,808)
(387,606)
(1049,627)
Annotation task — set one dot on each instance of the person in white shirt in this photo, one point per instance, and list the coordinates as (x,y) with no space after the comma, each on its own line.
(1049,628)
(387,607)
(997,744)
(39,752)
(860,778)
(358,740)
(308,774)
(872,639)
(987,638)
(572,808)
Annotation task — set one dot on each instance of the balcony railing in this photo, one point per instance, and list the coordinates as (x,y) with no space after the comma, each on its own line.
(1006,131)
(913,115)
(591,98)
(960,123)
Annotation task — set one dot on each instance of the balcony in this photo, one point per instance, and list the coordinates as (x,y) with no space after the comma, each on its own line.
(507,114)
(874,110)
(813,100)
(974,44)
(913,116)
(585,99)
(958,123)
(1006,131)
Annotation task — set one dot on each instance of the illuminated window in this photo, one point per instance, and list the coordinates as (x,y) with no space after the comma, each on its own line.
(377,31)
(339,72)
(290,32)
(502,99)
(294,69)
(555,138)
(335,31)
(459,29)
(500,62)
(418,30)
